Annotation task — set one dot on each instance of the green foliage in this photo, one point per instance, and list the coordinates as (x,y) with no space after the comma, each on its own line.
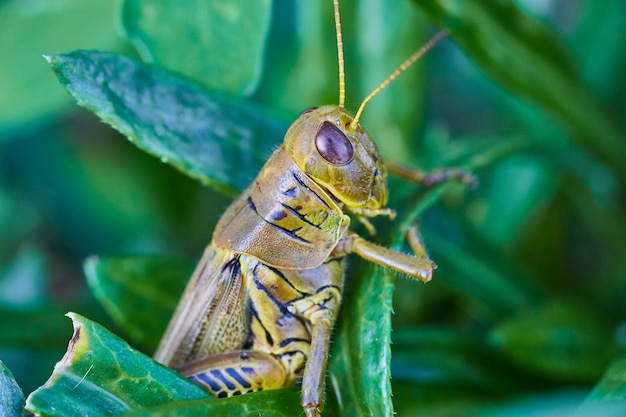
(497,32)
(147,104)
(183,45)
(555,340)
(279,403)
(609,394)
(140,293)
(527,301)
(11,396)
(29,94)
(101,375)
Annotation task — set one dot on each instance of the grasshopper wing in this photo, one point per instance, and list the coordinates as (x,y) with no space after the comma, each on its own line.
(212,314)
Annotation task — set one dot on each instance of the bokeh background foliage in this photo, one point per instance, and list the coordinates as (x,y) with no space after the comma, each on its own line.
(525,316)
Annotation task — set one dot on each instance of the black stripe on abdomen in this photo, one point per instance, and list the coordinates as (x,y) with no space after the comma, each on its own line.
(226,382)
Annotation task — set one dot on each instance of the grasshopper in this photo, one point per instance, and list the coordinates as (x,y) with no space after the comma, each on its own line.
(259,309)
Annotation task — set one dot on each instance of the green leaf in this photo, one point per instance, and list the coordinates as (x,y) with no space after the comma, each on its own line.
(29,29)
(360,367)
(11,396)
(140,293)
(297,64)
(519,52)
(532,182)
(561,341)
(431,401)
(275,403)
(439,357)
(609,395)
(599,50)
(558,403)
(360,360)
(101,375)
(217,140)
(220,43)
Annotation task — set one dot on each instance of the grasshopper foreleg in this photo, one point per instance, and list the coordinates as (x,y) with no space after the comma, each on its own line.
(418,266)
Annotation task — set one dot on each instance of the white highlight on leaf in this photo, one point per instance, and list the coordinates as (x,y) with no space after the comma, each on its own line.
(84,376)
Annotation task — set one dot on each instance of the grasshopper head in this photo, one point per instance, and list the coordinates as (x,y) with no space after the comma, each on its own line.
(340,157)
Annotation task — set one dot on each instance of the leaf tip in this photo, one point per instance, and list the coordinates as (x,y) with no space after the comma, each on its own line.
(65,362)
(71,348)
(90,265)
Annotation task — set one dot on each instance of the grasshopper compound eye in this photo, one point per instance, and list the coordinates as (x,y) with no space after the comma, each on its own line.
(333,145)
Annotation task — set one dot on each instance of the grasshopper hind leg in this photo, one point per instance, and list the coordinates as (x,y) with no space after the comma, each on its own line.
(236,373)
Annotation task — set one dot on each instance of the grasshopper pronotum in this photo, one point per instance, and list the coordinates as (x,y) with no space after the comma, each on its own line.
(259,309)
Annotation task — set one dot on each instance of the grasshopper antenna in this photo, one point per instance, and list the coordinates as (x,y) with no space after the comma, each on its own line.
(342,73)
(406,64)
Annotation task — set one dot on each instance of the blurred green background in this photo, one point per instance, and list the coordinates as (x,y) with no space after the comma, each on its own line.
(526,311)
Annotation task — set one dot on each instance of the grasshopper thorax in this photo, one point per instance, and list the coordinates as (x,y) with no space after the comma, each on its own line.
(339,155)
